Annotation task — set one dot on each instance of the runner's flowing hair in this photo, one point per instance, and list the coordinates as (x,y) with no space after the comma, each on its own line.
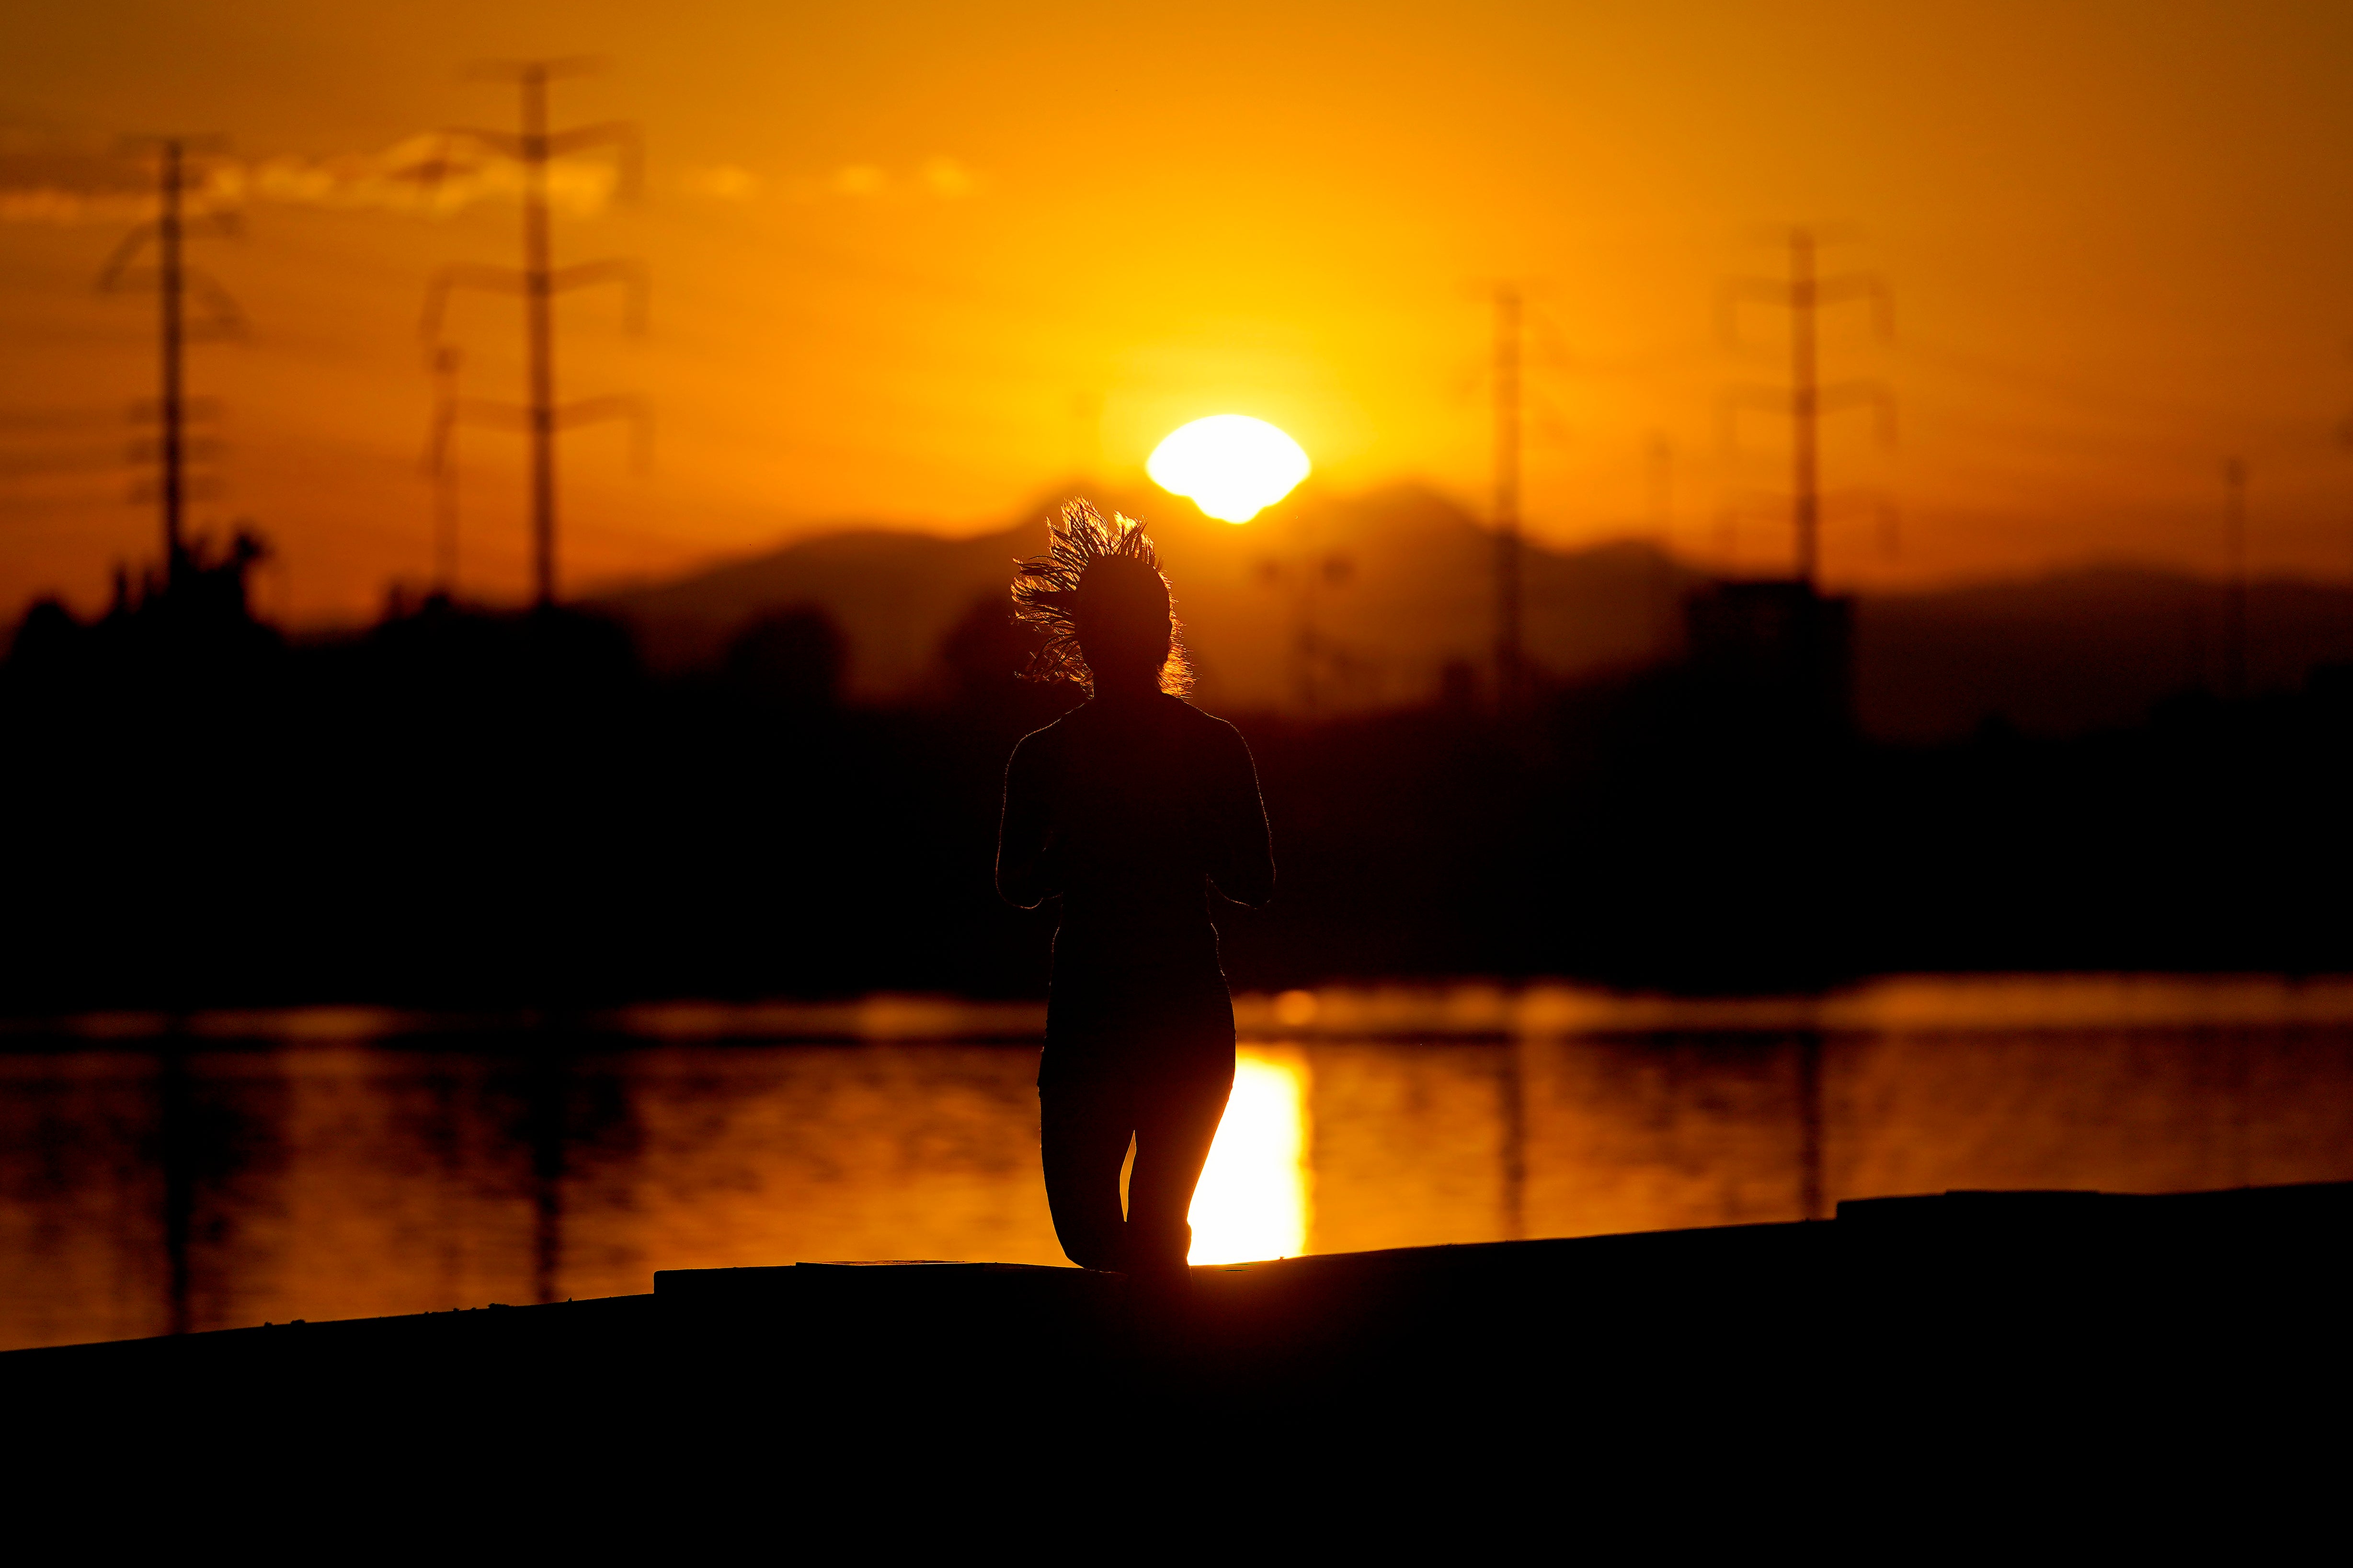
(1098,583)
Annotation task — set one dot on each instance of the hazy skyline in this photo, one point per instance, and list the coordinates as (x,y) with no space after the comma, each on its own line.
(918,265)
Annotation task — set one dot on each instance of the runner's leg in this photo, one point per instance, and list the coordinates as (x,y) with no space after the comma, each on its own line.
(1082,1134)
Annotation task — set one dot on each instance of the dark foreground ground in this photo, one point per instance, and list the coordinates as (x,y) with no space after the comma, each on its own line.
(2014,1372)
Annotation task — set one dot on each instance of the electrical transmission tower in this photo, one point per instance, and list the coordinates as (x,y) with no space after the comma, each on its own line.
(2345,429)
(1806,400)
(441,463)
(1510,662)
(2234,603)
(174,281)
(538,281)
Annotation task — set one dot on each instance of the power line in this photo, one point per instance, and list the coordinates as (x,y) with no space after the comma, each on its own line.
(2089,396)
(538,281)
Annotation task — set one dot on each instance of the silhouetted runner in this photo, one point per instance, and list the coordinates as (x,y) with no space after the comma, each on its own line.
(1129,806)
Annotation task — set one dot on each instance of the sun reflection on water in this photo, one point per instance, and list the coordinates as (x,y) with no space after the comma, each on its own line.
(1253,1202)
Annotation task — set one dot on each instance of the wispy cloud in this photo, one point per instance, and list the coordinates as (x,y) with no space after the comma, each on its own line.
(48,184)
(723,183)
(946,178)
(943,178)
(427,175)
(430,175)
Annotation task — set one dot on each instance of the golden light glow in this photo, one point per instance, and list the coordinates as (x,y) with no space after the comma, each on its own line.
(1232,465)
(1295,1009)
(1253,1202)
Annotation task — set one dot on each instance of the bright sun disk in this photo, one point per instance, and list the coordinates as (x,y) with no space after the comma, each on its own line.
(1232,465)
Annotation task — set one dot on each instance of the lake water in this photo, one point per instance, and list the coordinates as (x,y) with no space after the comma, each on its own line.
(221,1170)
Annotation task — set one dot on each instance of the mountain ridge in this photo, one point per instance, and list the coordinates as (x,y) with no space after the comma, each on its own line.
(1350,603)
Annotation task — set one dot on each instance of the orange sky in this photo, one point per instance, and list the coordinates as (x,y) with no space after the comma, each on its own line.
(916,263)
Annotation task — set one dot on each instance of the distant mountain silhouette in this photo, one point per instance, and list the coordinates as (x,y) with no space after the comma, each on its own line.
(894,594)
(1359,602)
(1365,601)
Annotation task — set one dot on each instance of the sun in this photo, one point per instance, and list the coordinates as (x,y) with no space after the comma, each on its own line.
(1233,466)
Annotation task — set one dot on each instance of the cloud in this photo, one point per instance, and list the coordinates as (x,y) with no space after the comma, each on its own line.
(947,178)
(43,183)
(722,182)
(939,177)
(52,205)
(430,175)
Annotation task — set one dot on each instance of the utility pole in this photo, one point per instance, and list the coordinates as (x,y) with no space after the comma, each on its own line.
(441,462)
(173,280)
(2345,429)
(1661,453)
(2234,604)
(538,281)
(1304,574)
(169,398)
(1511,664)
(1805,410)
(1803,295)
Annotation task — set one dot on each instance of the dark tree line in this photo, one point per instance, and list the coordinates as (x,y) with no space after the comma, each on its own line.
(460,808)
